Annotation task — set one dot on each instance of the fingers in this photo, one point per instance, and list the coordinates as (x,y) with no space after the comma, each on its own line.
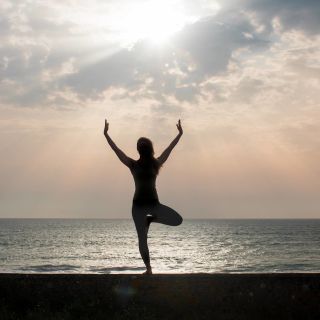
(179,127)
(106,126)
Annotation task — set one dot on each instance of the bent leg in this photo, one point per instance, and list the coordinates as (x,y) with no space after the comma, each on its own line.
(166,215)
(142,225)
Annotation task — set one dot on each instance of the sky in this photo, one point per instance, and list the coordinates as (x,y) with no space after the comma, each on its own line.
(242,75)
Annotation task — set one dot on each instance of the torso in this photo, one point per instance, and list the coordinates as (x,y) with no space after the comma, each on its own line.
(145,183)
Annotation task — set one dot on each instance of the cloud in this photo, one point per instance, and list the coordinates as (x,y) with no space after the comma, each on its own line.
(200,50)
(50,53)
(293,14)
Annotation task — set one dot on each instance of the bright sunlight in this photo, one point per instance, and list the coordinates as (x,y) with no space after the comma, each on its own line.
(152,20)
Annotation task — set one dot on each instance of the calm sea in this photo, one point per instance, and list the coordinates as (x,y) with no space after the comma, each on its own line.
(110,246)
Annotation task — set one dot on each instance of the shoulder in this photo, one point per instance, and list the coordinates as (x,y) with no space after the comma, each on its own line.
(131,163)
(158,162)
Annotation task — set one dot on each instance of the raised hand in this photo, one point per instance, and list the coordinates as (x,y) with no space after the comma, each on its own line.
(106,127)
(165,154)
(179,127)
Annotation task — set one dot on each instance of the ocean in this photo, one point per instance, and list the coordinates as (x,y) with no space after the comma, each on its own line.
(196,246)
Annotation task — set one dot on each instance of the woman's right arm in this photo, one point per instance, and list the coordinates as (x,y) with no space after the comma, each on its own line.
(121,155)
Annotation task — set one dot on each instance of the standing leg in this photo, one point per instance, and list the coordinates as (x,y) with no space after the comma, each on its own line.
(142,222)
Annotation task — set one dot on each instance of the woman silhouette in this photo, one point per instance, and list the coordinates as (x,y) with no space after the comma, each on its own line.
(146,207)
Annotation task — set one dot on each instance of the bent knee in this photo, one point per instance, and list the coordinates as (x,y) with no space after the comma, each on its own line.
(178,221)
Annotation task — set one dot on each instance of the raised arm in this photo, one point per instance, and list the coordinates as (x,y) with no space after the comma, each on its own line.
(121,155)
(165,154)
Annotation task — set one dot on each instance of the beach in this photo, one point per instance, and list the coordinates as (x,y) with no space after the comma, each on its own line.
(160,296)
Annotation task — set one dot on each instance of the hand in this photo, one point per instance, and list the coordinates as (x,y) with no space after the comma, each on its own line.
(179,127)
(106,127)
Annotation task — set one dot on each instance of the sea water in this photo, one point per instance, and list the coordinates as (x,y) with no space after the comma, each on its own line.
(111,246)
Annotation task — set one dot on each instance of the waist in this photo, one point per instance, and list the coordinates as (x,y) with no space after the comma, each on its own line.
(145,193)
(145,196)
(141,202)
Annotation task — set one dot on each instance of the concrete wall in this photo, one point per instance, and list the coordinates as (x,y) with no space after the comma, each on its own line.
(166,296)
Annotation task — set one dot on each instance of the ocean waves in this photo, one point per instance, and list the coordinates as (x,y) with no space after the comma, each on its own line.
(111,246)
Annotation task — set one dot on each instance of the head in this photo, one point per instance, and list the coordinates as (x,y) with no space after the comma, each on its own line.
(145,148)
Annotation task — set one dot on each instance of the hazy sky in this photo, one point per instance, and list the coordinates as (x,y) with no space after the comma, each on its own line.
(244,77)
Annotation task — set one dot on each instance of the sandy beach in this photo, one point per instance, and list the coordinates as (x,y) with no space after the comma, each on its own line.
(162,296)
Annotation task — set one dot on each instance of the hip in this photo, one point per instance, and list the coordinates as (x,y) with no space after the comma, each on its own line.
(145,202)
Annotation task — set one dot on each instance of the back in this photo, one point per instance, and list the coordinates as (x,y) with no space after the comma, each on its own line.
(144,175)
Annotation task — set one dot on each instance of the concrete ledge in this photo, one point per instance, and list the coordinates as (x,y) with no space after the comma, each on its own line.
(163,296)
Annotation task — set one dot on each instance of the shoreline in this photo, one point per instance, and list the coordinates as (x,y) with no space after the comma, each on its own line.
(160,296)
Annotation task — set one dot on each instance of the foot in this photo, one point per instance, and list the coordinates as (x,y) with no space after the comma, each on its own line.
(148,271)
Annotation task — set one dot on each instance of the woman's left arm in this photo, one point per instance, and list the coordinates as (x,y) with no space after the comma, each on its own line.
(165,154)
(121,155)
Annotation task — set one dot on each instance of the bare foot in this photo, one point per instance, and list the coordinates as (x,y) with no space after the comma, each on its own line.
(148,271)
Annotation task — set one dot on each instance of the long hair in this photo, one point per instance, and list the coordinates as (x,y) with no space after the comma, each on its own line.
(146,152)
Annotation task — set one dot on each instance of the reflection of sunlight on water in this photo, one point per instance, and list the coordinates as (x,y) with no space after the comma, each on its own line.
(111,246)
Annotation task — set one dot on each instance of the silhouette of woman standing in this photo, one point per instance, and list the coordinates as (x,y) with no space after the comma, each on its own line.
(146,207)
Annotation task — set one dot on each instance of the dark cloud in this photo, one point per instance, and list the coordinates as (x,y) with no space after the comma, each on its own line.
(293,14)
(211,43)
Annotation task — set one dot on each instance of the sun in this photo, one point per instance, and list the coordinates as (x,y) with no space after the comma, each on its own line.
(155,21)
(118,24)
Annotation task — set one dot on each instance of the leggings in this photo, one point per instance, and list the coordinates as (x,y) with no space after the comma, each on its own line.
(143,215)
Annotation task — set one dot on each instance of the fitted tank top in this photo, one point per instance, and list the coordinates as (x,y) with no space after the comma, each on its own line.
(145,183)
